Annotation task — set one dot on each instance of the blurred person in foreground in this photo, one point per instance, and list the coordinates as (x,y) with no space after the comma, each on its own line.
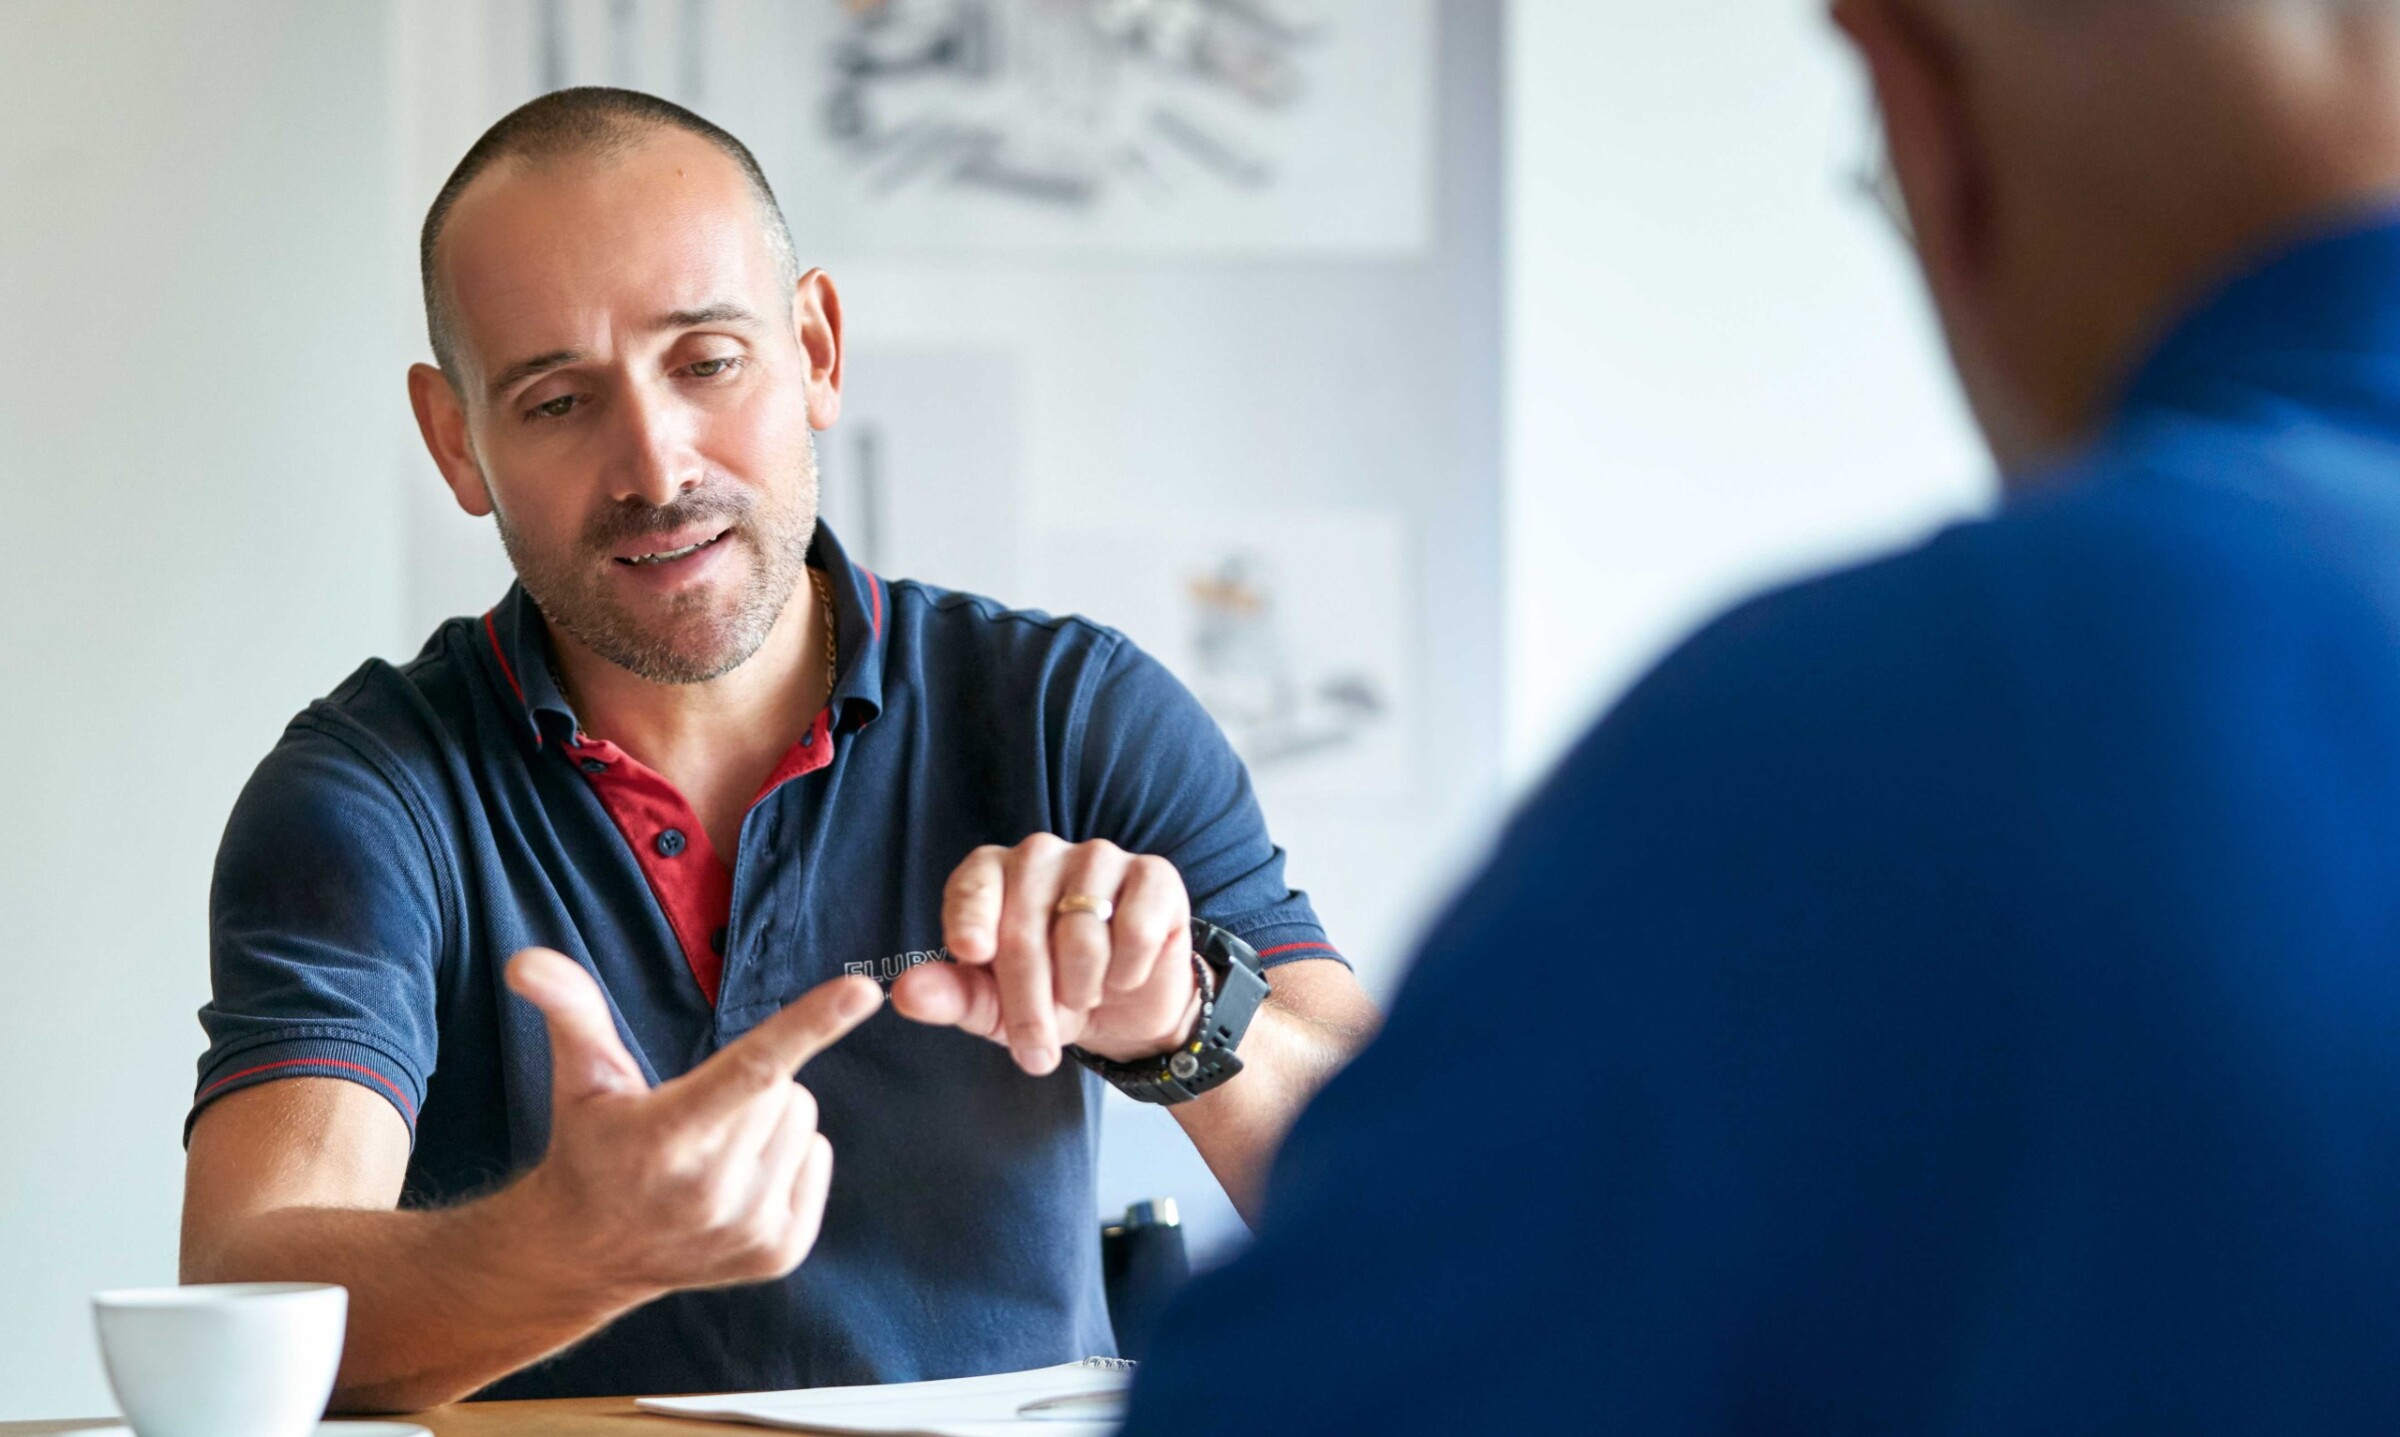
(1959,994)
(517,947)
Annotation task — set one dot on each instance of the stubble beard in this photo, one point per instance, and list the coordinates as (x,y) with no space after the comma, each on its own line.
(693,636)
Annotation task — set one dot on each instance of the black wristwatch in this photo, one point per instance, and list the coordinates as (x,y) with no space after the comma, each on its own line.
(1232,985)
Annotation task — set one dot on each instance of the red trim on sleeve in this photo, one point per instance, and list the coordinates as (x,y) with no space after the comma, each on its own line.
(1297,948)
(402,1098)
(508,672)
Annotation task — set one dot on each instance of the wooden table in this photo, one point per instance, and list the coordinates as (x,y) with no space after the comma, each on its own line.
(570,1417)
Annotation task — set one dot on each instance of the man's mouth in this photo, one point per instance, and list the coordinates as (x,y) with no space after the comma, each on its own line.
(669,556)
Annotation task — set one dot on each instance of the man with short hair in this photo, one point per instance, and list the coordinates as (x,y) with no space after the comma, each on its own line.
(1969,992)
(518,947)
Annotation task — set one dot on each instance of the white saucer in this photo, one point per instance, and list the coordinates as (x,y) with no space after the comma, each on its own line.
(324,1429)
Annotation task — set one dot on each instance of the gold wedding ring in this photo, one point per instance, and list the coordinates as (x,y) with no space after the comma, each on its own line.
(1099,908)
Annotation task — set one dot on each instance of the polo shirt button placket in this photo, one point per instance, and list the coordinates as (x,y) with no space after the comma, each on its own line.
(669,843)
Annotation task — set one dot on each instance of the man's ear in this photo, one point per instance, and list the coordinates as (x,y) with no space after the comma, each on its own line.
(1936,150)
(817,322)
(443,423)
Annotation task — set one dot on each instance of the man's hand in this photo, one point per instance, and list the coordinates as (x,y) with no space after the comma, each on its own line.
(1118,981)
(716,1177)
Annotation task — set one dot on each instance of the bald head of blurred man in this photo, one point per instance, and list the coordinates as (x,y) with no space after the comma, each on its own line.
(2077,171)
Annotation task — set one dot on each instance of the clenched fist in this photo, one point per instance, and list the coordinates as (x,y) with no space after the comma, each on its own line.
(1060,943)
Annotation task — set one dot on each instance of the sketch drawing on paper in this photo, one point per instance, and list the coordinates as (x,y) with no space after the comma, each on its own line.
(1078,96)
(1275,710)
(1217,126)
(1291,629)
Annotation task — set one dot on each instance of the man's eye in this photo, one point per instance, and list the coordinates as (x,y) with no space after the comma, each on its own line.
(555,409)
(711,368)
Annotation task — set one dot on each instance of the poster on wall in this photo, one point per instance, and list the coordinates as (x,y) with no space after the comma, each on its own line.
(989,127)
(1290,628)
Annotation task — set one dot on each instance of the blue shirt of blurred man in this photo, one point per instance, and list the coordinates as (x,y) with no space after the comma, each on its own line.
(1961,994)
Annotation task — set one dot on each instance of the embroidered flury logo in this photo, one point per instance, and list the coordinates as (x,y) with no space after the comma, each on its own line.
(887,970)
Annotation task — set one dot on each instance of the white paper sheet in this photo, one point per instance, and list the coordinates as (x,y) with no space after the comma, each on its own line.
(1292,626)
(992,1406)
(1035,127)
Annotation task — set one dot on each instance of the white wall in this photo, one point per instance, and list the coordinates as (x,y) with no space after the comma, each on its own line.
(1720,370)
(196,402)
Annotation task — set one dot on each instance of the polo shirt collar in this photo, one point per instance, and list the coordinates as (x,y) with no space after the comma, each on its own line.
(2310,327)
(517,659)
(861,614)
(516,654)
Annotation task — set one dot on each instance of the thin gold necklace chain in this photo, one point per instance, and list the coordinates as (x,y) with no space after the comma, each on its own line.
(824,588)
(824,591)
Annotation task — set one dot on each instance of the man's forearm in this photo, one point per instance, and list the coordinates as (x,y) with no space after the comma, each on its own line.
(442,1302)
(1286,1058)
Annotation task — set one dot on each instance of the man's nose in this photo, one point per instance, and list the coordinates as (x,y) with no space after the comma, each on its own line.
(657,460)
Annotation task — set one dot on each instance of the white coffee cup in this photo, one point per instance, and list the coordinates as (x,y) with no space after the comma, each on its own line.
(237,1359)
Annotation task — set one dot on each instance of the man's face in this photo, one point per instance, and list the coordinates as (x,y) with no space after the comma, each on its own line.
(635,387)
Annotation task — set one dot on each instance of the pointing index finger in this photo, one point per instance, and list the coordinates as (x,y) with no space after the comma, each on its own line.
(776,1050)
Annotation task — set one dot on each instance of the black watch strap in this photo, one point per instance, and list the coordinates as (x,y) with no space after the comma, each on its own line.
(1232,984)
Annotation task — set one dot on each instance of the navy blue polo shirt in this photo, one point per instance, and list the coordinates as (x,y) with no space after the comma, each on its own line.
(1958,995)
(425,822)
